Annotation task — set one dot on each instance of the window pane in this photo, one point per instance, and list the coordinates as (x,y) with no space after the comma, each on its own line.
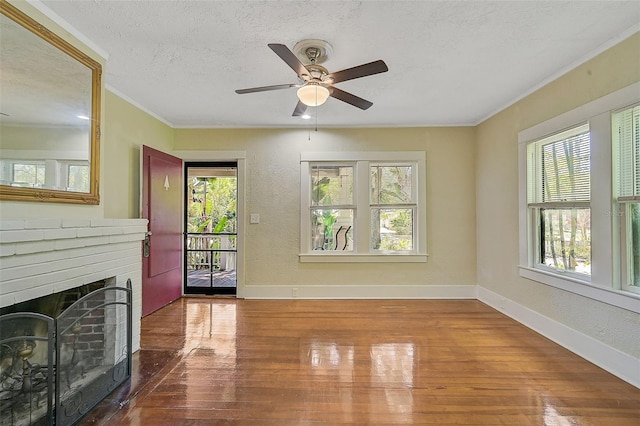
(32,174)
(565,240)
(392,229)
(332,229)
(566,169)
(634,241)
(331,185)
(78,178)
(390,184)
(626,135)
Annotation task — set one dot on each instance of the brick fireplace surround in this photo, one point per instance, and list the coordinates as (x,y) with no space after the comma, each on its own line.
(45,256)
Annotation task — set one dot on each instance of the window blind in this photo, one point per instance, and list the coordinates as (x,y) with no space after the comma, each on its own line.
(566,169)
(626,131)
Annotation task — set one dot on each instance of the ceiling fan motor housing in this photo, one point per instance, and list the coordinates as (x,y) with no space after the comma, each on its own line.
(313,51)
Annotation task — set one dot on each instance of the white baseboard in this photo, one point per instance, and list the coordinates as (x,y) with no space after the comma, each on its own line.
(610,359)
(360,292)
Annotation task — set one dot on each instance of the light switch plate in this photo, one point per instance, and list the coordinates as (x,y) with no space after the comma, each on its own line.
(254,218)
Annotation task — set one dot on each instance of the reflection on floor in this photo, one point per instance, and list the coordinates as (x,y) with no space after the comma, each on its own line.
(202,278)
(326,362)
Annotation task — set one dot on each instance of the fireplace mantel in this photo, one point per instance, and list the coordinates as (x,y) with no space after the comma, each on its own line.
(45,256)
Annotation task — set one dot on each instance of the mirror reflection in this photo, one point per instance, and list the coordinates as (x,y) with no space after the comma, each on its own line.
(48,115)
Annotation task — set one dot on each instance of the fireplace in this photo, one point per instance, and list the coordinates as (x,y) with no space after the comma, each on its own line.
(41,257)
(53,370)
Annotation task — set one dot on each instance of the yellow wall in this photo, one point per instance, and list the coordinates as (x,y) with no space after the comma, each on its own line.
(497,197)
(273,191)
(126,129)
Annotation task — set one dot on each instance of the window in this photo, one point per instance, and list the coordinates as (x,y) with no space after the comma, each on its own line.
(332,206)
(393,207)
(363,207)
(626,142)
(28,174)
(579,228)
(67,175)
(559,185)
(78,177)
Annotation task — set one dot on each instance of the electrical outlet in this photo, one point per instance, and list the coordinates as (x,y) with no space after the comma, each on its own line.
(294,292)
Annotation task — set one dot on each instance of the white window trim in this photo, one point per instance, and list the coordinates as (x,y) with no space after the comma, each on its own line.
(604,284)
(417,255)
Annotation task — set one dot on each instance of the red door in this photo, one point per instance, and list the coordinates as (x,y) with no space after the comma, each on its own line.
(161,205)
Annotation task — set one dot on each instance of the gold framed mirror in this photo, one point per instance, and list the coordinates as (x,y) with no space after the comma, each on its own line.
(49,114)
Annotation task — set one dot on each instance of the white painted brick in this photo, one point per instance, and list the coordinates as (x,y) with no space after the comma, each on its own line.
(35,247)
(7,300)
(124,238)
(70,243)
(7,249)
(135,229)
(101,222)
(42,223)
(89,232)
(8,274)
(10,225)
(97,241)
(32,293)
(22,235)
(113,230)
(76,223)
(58,233)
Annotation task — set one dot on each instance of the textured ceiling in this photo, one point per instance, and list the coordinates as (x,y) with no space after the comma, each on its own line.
(450,62)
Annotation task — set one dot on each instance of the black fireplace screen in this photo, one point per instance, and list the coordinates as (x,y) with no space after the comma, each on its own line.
(54,370)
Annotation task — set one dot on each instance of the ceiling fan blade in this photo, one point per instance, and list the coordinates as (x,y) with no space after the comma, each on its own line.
(375,67)
(290,58)
(266,88)
(300,109)
(349,98)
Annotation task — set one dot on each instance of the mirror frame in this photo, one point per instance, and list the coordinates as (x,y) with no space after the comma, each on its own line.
(50,195)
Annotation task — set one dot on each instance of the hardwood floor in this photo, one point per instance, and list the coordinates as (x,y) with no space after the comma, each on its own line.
(431,362)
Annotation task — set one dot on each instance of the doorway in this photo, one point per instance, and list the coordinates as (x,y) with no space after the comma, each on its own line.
(211,228)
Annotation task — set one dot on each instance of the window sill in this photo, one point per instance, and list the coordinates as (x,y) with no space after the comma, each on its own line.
(361,258)
(619,298)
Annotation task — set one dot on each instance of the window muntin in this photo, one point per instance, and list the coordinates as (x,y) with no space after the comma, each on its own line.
(558,194)
(358,207)
(626,143)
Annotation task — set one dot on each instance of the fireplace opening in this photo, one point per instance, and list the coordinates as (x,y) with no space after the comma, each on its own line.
(63,353)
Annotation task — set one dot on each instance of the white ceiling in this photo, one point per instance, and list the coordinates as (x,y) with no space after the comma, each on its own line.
(450,62)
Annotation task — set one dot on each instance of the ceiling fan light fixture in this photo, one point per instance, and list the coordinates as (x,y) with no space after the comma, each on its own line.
(313,94)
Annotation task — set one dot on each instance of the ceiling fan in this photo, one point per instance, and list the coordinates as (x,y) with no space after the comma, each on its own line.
(316,82)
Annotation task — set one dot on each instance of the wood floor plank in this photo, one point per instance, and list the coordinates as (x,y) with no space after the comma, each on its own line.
(292,362)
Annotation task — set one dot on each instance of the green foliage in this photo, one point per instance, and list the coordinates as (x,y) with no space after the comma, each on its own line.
(319,191)
(212,205)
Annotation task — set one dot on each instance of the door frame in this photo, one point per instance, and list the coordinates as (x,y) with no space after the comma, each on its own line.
(213,290)
(238,157)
